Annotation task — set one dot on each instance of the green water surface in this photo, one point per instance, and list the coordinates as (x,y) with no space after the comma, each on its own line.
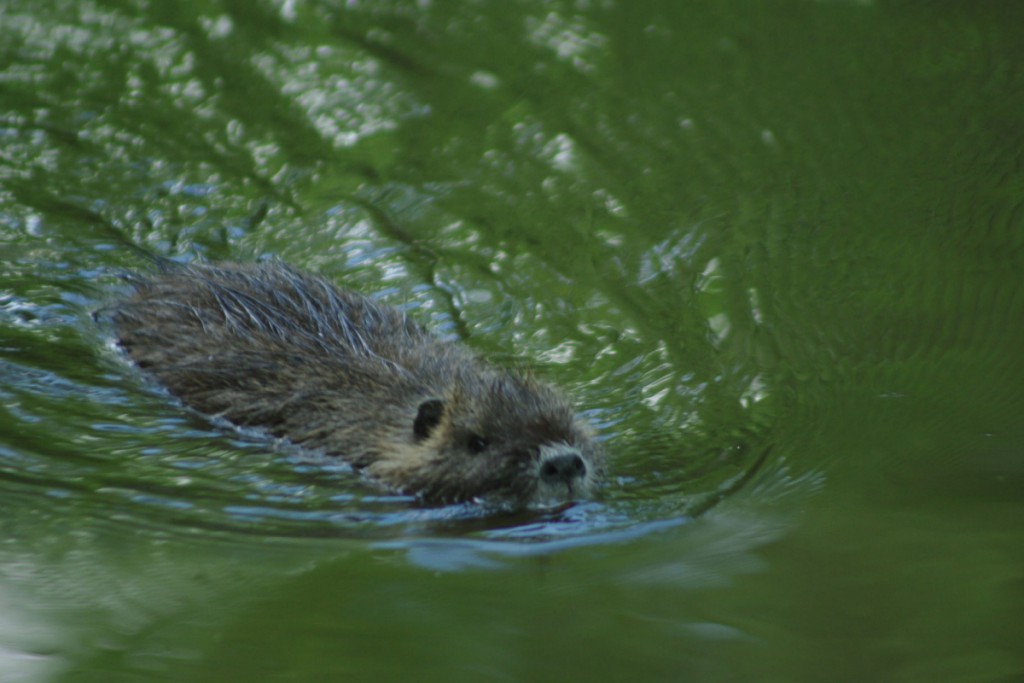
(772,248)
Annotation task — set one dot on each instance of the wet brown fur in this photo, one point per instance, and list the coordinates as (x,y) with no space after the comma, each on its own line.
(264,345)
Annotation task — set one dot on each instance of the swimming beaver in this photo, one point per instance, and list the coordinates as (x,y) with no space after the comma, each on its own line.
(265,345)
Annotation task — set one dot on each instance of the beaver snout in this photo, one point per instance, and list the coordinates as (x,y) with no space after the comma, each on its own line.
(563,467)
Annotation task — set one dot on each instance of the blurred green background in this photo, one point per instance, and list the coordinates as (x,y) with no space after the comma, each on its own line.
(778,238)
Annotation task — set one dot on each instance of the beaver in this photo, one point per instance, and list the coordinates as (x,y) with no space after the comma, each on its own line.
(266,345)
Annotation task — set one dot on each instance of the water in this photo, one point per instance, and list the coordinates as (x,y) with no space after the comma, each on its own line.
(773,249)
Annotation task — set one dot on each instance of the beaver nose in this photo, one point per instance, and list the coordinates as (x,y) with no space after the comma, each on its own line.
(563,468)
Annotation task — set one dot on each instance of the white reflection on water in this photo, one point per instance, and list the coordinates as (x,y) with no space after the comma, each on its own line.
(24,644)
(342,92)
(570,39)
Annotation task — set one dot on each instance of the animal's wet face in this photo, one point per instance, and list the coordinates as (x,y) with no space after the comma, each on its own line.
(517,443)
(518,472)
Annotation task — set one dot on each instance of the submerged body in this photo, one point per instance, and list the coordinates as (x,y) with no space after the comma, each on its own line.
(264,345)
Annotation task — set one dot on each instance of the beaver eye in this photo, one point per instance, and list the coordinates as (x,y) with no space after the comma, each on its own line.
(476,443)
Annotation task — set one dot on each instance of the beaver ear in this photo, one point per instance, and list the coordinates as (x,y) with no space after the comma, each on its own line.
(427,417)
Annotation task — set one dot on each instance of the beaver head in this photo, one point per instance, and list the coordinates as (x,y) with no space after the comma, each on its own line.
(493,436)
